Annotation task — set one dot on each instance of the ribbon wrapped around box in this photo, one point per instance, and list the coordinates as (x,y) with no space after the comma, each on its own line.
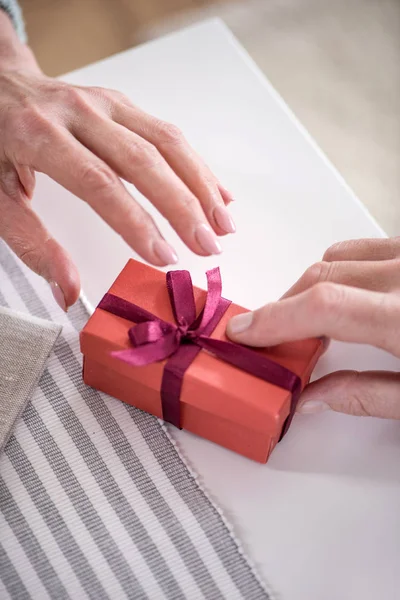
(158,343)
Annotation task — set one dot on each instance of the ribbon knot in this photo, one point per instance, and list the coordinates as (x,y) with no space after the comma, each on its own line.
(179,343)
(185,335)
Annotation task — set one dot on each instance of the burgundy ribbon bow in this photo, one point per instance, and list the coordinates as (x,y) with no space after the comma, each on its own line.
(154,340)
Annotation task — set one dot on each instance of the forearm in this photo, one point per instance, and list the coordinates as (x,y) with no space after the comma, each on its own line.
(14,54)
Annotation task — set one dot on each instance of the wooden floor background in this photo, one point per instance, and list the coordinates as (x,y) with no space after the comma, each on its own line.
(67,34)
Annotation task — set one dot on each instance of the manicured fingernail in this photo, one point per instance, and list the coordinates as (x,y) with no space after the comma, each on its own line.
(165,253)
(224,219)
(240,323)
(58,295)
(208,240)
(312,407)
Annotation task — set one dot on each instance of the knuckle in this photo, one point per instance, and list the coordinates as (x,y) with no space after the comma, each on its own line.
(167,133)
(317,272)
(366,397)
(360,400)
(105,97)
(327,296)
(69,96)
(334,250)
(146,156)
(98,178)
(103,92)
(10,184)
(73,101)
(32,258)
(31,255)
(29,131)
(29,121)
(184,211)
(116,95)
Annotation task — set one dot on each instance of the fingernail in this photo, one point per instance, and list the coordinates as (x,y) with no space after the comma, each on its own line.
(58,295)
(207,239)
(224,219)
(165,253)
(240,323)
(312,407)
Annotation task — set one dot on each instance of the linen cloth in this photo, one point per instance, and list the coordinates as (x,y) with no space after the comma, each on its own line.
(25,344)
(95,500)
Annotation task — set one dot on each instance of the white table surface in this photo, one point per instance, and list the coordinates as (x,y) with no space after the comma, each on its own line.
(322,519)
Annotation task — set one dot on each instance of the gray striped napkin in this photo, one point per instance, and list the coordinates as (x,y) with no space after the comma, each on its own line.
(95,500)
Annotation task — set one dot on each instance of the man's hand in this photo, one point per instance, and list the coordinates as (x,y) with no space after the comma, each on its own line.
(353,295)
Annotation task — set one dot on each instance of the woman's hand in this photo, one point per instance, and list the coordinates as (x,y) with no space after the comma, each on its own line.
(353,295)
(86,139)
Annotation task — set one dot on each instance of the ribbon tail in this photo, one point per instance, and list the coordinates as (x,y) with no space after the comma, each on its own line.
(260,366)
(172,381)
(213,299)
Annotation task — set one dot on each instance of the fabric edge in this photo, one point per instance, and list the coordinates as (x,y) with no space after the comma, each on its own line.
(222,513)
(50,325)
(54,330)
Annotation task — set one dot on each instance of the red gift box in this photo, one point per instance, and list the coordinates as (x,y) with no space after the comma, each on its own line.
(214,398)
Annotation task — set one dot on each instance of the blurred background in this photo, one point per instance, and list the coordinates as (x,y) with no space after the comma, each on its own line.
(335,62)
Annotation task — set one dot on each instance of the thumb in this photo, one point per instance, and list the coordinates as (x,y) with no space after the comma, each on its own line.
(369,393)
(25,234)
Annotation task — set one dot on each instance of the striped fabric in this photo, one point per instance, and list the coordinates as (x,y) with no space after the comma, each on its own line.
(95,500)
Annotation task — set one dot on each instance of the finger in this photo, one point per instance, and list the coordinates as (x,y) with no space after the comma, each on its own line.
(370,393)
(140,163)
(227,196)
(181,157)
(364,249)
(26,235)
(382,276)
(27,179)
(88,177)
(335,311)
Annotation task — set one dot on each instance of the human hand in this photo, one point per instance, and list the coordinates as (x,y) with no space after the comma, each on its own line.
(353,295)
(86,139)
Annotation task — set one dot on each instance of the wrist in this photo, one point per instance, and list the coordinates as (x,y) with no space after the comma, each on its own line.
(14,55)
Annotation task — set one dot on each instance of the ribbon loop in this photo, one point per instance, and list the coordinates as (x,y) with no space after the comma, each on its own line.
(213,299)
(180,290)
(147,332)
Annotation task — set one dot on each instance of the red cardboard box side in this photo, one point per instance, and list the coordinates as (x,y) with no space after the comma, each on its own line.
(233,436)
